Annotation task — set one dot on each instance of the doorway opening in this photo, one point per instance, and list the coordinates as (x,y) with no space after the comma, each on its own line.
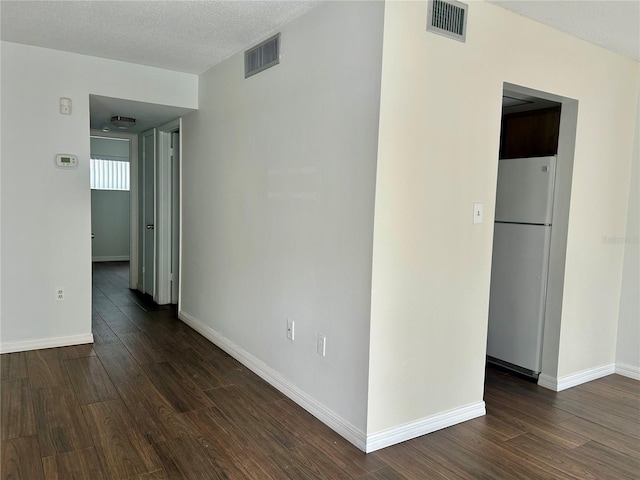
(535,166)
(160,213)
(112,163)
(153,132)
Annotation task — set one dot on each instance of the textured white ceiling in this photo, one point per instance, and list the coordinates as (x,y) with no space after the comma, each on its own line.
(612,24)
(187,36)
(192,36)
(147,115)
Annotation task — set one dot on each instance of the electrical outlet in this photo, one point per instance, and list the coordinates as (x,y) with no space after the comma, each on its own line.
(60,294)
(321,347)
(291,325)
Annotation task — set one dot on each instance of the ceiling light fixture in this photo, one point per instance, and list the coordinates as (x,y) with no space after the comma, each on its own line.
(123,122)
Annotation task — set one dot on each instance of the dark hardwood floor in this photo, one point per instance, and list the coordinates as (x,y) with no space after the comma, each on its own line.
(152,399)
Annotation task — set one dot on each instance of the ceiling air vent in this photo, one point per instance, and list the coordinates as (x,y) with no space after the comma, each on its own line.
(262,56)
(448,18)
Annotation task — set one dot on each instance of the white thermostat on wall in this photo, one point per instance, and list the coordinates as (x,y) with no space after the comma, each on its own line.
(66,161)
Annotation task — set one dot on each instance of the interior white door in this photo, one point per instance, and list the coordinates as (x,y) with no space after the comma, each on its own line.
(148,211)
(167,213)
(175,214)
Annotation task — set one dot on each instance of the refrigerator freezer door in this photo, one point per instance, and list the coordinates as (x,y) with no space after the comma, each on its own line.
(525,190)
(518,291)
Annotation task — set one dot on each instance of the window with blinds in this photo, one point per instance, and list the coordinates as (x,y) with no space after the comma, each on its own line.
(109,174)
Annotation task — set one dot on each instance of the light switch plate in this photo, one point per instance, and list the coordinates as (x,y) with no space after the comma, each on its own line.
(478,212)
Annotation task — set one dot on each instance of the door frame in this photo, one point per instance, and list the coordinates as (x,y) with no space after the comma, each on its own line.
(141,226)
(133,199)
(559,232)
(166,222)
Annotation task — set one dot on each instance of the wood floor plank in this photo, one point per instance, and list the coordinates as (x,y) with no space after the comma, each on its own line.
(608,462)
(240,407)
(497,427)
(259,390)
(104,305)
(413,463)
(561,459)
(338,460)
(119,364)
(234,462)
(155,417)
(121,300)
(615,387)
(140,317)
(202,373)
(188,338)
(21,459)
(184,458)
(620,382)
(90,380)
(342,453)
(531,424)
(102,333)
(464,460)
(292,464)
(18,418)
(386,473)
(157,475)
(220,432)
(81,464)
(46,368)
(13,366)
(603,435)
(607,404)
(59,420)
(119,322)
(123,450)
(181,392)
(606,418)
(143,349)
(232,450)
(495,453)
(295,419)
(541,409)
(247,467)
(77,351)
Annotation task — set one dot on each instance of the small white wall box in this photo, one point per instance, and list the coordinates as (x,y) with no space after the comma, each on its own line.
(64,160)
(65,106)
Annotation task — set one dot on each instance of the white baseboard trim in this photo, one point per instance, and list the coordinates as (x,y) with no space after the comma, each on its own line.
(114,258)
(627,370)
(274,378)
(40,343)
(568,381)
(423,426)
(547,381)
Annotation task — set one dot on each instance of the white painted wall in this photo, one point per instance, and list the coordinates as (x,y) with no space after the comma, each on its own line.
(110,225)
(107,148)
(277,203)
(438,150)
(46,211)
(628,349)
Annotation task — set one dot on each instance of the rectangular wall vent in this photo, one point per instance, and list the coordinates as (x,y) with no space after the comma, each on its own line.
(262,56)
(448,18)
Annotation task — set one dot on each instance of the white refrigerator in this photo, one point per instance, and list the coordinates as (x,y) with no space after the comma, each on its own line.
(521,238)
